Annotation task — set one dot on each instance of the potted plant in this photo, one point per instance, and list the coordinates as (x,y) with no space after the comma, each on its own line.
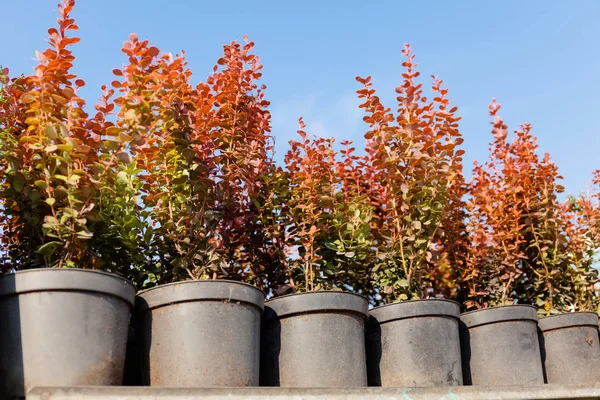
(202,161)
(417,167)
(526,248)
(315,337)
(66,325)
(569,340)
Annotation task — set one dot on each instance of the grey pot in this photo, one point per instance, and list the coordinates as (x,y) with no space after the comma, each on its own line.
(500,346)
(570,349)
(414,344)
(200,334)
(314,339)
(62,327)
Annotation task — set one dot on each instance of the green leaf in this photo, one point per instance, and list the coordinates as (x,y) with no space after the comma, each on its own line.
(41,184)
(65,147)
(51,148)
(84,235)
(49,248)
(18,182)
(50,201)
(122,178)
(331,246)
(50,132)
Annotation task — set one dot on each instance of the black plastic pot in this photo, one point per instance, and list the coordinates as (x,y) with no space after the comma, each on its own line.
(314,339)
(570,349)
(62,327)
(414,344)
(500,346)
(200,334)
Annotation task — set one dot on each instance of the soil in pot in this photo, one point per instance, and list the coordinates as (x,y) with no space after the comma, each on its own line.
(62,327)
(570,348)
(500,346)
(314,339)
(414,344)
(200,334)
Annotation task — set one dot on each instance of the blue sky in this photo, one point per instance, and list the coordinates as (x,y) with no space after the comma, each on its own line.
(540,59)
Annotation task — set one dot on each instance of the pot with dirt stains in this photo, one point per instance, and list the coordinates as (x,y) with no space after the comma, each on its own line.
(570,348)
(500,346)
(62,327)
(414,344)
(200,334)
(314,339)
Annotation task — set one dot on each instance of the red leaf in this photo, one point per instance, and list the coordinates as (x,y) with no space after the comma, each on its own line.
(153,51)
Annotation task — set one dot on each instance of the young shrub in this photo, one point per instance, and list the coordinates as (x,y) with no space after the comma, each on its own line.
(49,166)
(524,242)
(199,156)
(416,161)
(329,216)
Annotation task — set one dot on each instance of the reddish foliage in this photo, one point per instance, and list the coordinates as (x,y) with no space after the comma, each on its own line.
(168,181)
(416,164)
(524,244)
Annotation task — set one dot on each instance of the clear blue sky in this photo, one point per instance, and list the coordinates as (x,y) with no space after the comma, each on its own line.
(541,59)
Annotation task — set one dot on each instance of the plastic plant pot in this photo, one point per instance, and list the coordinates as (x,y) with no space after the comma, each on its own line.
(570,349)
(314,339)
(200,334)
(500,347)
(414,344)
(62,327)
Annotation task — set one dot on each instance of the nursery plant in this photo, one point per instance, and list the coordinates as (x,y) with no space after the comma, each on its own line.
(526,245)
(417,166)
(58,166)
(49,160)
(329,215)
(167,182)
(53,173)
(199,157)
(384,223)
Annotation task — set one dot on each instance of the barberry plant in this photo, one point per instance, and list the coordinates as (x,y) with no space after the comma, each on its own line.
(525,243)
(329,244)
(168,181)
(416,161)
(49,160)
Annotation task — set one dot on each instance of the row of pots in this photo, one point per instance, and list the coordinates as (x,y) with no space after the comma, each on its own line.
(65,327)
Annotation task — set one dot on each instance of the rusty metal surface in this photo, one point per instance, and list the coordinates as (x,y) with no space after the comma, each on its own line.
(543,392)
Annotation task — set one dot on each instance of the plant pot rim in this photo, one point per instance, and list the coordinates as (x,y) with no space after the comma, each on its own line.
(415,308)
(66,280)
(199,290)
(568,320)
(315,302)
(490,315)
